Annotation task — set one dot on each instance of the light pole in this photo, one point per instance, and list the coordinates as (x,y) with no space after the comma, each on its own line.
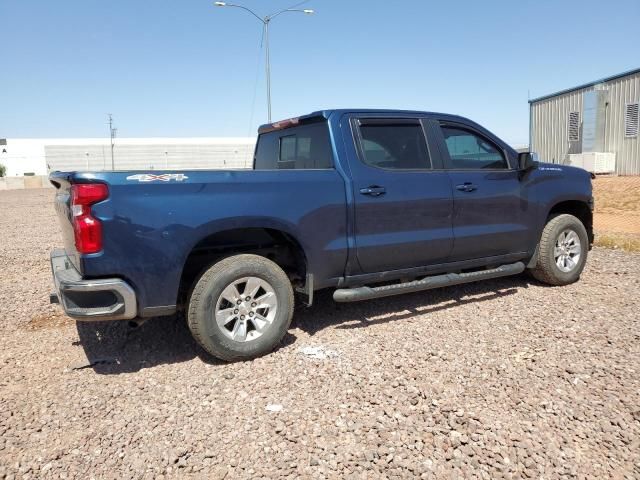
(112,133)
(265,25)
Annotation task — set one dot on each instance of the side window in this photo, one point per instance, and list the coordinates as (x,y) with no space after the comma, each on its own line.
(471,151)
(393,145)
(305,147)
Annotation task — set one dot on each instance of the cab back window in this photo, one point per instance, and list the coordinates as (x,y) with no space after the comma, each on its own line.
(304,147)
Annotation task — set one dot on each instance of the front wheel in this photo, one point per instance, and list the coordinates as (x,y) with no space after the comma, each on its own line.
(241,307)
(562,251)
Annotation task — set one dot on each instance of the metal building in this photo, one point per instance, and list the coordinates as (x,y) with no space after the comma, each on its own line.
(594,125)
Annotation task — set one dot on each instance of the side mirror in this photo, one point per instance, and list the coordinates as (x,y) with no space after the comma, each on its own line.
(527,161)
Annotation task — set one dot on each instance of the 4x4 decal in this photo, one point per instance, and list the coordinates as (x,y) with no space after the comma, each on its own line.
(163,177)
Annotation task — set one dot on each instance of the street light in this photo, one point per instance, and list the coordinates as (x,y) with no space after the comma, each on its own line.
(265,23)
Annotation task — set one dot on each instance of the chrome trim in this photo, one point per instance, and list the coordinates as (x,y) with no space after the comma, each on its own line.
(67,279)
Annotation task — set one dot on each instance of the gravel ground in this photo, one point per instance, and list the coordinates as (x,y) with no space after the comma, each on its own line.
(502,379)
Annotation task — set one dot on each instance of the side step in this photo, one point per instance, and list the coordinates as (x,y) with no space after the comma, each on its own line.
(436,281)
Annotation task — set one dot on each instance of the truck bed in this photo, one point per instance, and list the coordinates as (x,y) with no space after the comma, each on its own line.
(151,227)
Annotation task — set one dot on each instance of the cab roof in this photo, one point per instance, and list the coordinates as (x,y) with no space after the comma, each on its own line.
(321,115)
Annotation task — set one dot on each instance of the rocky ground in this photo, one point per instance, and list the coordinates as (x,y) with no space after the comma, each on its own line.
(504,379)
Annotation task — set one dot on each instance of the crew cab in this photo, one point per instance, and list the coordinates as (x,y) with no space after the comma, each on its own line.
(369,203)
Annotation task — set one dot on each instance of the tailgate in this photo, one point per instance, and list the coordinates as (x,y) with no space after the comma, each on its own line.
(62,182)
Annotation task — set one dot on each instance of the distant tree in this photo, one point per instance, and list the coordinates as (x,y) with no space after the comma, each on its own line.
(3,170)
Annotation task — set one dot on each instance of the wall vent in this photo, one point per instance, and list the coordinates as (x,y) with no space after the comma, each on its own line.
(574,126)
(631,120)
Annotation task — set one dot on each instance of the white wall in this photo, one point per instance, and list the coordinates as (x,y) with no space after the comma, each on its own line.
(43,155)
(23,156)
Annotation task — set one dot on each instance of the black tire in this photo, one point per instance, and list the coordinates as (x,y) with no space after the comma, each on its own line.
(546,269)
(208,290)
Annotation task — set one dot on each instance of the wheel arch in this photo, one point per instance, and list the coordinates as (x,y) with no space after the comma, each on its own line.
(276,244)
(579,209)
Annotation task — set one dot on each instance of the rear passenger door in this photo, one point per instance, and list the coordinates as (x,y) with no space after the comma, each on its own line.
(492,214)
(402,204)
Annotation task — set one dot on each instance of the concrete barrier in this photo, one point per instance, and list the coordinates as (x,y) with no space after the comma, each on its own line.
(45,181)
(14,183)
(33,182)
(17,183)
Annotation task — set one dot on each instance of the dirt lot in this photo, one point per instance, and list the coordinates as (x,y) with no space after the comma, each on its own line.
(505,379)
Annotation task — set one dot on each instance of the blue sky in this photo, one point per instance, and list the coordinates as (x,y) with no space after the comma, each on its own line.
(187,68)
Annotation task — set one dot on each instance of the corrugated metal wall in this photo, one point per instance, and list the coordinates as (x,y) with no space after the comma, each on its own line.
(161,156)
(622,91)
(549,125)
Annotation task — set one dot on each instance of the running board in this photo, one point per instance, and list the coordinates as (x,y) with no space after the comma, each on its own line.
(436,281)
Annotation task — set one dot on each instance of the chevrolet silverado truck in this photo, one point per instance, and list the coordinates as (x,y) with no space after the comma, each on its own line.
(370,203)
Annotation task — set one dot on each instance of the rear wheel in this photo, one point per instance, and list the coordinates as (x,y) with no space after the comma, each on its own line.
(241,307)
(562,251)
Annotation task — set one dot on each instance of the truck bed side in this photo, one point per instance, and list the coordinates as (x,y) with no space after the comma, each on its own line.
(149,229)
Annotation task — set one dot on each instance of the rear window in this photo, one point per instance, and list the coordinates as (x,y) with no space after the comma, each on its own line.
(304,147)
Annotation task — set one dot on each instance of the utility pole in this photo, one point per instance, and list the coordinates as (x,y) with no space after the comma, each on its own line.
(268,66)
(265,26)
(112,134)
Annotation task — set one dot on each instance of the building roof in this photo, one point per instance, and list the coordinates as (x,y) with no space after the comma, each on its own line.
(587,85)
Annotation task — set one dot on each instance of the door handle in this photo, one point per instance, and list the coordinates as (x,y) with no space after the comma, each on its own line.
(466,187)
(373,190)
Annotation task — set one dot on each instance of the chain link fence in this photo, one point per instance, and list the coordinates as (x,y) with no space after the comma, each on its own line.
(617,211)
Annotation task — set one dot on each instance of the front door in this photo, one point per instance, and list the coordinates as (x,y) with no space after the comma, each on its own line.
(402,204)
(492,214)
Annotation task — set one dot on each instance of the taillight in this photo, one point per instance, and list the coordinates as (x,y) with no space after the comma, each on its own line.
(87,229)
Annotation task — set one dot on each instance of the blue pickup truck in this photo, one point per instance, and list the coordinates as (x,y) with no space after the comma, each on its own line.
(370,203)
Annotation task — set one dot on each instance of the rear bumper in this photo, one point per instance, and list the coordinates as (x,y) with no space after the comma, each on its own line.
(91,300)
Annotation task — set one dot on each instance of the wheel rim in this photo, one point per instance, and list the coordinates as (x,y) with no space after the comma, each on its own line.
(567,251)
(246,309)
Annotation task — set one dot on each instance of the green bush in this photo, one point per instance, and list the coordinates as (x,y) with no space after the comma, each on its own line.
(3,170)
